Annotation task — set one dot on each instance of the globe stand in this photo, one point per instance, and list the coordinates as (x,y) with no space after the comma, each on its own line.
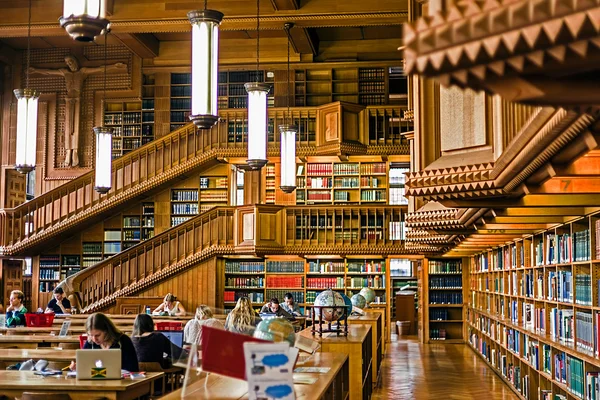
(339,328)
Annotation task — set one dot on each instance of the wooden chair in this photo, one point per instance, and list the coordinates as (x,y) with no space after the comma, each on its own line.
(45,396)
(170,378)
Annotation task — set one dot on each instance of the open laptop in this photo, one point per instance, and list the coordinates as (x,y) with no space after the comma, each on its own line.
(98,364)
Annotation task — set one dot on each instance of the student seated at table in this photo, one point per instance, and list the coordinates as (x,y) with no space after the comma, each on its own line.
(192,333)
(290,305)
(151,346)
(273,307)
(242,318)
(15,312)
(59,304)
(103,334)
(170,306)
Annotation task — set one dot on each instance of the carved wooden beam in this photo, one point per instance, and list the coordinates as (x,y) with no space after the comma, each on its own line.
(531,200)
(541,211)
(304,40)
(282,5)
(145,45)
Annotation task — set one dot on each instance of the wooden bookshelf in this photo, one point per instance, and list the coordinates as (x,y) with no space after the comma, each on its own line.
(133,126)
(262,279)
(184,205)
(442,290)
(533,311)
(181,99)
(352,182)
(148,104)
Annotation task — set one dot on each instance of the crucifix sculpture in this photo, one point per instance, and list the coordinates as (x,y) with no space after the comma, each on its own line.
(74,78)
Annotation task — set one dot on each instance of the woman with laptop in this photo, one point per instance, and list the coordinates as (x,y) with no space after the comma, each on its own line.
(103,334)
(150,346)
(170,306)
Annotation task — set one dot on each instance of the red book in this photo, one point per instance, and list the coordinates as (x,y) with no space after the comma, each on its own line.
(223,352)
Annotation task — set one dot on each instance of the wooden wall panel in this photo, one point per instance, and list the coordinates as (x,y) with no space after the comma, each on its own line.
(195,286)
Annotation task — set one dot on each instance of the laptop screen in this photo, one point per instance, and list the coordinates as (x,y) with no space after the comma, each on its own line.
(176,337)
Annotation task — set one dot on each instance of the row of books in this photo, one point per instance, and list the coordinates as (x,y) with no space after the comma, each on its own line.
(49,273)
(230,296)
(345,182)
(184,195)
(569,370)
(445,282)
(47,286)
(184,209)
(324,283)
(88,261)
(178,220)
(375,282)
(280,295)
(445,298)
(245,282)
(285,266)
(181,91)
(374,87)
(438,314)
(373,195)
(368,266)
(244,266)
(445,266)
(326,266)
(49,261)
(437,334)
(181,104)
(213,196)
(132,235)
(220,183)
(318,183)
(285,281)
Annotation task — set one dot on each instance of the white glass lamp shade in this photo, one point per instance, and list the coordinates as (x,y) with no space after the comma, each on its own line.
(27,109)
(205,66)
(103,159)
(84,19)
(257,124)
(288,157)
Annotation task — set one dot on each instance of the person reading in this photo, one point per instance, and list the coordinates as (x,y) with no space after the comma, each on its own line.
(151,346)
(192,333)
(242,319)
(103,334)
(59,304)
(290,305)
(273,307)
(15,312)
(170,306)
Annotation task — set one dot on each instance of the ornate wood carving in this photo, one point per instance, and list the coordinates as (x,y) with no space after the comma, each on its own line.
(512,48)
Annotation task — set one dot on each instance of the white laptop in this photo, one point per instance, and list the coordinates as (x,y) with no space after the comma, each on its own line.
(98,364)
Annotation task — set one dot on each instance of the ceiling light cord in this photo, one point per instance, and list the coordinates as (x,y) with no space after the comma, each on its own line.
(287,87)
(105,58)
(28,48)
(257,38)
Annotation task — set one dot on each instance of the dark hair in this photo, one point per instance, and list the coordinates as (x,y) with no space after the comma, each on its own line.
(59,290)
(288,295)
(143,323)
(102,323)
(275,300)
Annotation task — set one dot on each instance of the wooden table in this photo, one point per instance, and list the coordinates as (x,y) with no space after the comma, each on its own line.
(329,386)
(374,320)
(35,330)
(15,383)
(34,341)
(358,347)
(60,358)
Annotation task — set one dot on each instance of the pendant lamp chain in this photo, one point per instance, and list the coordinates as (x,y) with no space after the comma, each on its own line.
(105,58)
(257,37)
(287,87)
(28,48)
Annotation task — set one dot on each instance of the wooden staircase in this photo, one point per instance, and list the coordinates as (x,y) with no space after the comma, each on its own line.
(59,212)
(254,230)
(139,267)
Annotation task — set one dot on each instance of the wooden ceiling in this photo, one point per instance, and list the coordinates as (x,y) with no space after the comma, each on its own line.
(324,30)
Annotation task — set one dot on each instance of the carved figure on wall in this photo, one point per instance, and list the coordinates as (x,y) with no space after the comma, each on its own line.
(74,77)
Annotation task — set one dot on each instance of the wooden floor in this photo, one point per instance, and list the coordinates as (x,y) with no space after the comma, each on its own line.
(437,371)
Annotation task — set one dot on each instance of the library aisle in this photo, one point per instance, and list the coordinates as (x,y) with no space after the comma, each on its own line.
(411,370)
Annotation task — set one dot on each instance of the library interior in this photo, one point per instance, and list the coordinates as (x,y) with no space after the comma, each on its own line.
(404,194)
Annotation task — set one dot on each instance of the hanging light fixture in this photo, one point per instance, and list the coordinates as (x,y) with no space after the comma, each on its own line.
(103,143)
(205,66)
(84,19)
(288,133)
(27,109)
(257,111)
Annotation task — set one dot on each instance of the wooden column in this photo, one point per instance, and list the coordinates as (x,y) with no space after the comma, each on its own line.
(253,188)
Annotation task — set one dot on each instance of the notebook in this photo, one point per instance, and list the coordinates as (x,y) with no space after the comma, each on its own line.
(98,364)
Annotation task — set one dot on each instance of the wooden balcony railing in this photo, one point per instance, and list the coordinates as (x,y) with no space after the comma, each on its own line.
(208,234)
(387,124)
(63,209)
(245,230)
